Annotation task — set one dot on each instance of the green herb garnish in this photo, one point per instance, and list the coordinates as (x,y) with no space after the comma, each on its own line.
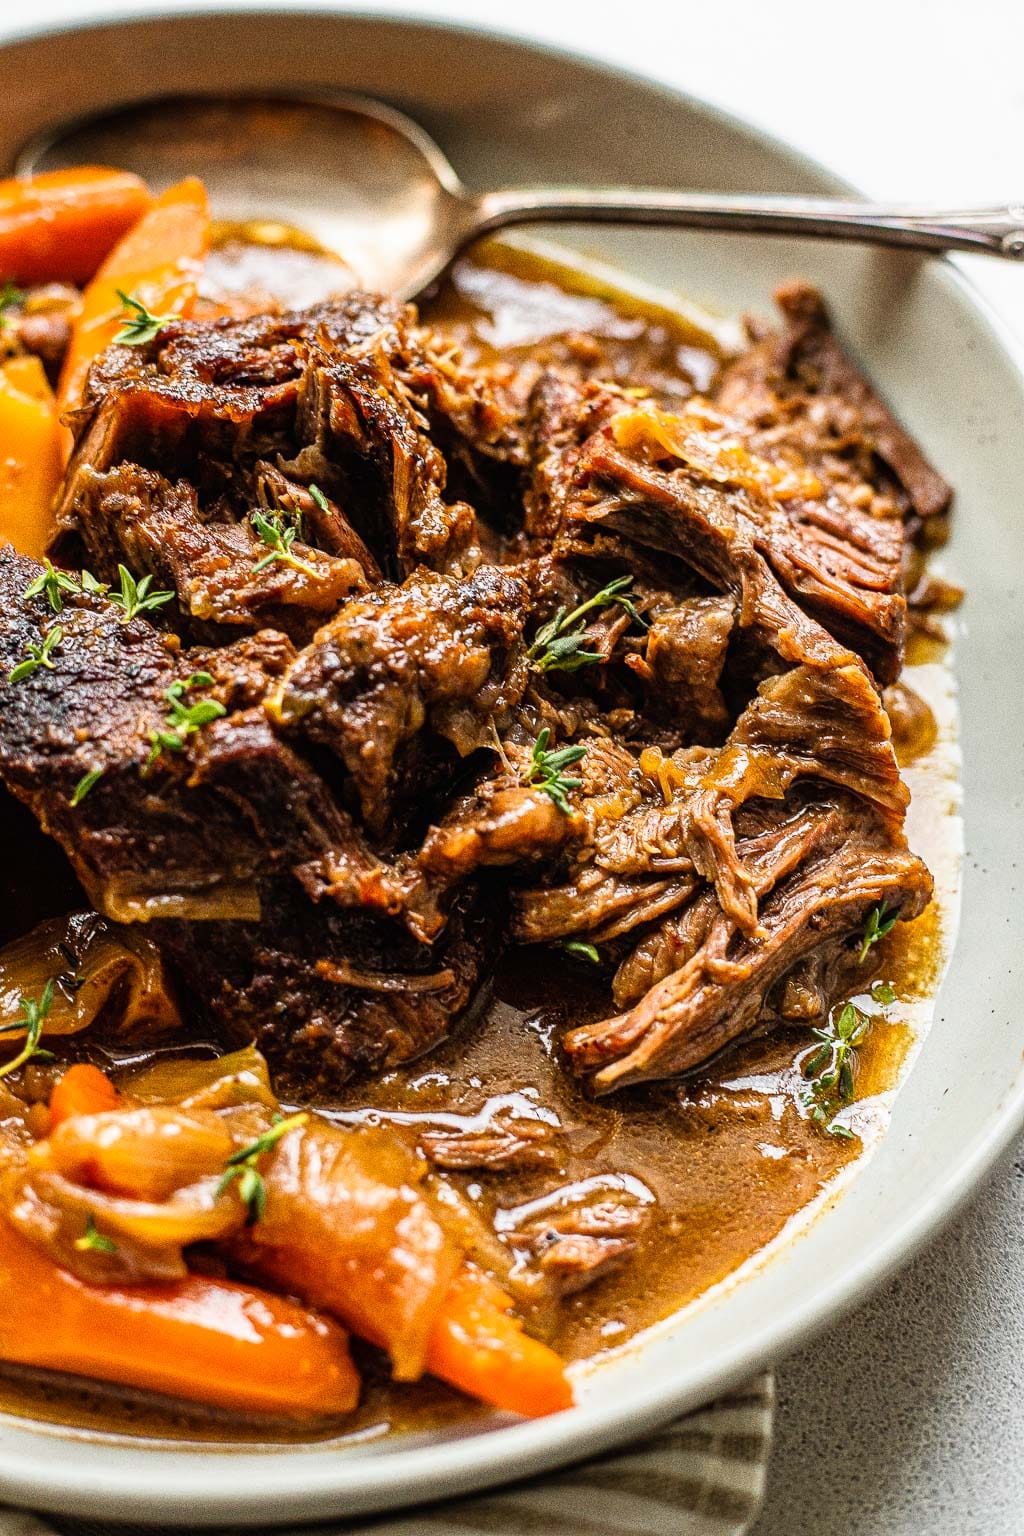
(140,324)
(34,1017)
(9,296)
(831,1067)
(51,584)
(38,656)
(558,645)
(183,720)
(242,1166)
(320,499)
(581,950)
(883,992)
(93,1241)
(876,927)
(279,536)
(84,785)
(135,596)
(545,769)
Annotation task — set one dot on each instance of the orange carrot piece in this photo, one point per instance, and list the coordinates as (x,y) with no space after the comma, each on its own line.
(477,1346)
(83,1090)
(157,262)
(208,1341)
(31,456)
(58,226)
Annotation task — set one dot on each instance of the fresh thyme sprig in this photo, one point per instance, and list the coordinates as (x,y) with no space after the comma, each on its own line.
(558,645)
(140,326)
(242,1166)
(135,596)
(279,536)
(34,1017)
(545,769)
(581,950)
(876,927)
(84,785)
(51,584)
(94,1241)
(183,720)
(38,656)
(831,1068)
(320,499)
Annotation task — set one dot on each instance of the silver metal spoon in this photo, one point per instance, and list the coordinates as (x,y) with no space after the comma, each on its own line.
(367,183)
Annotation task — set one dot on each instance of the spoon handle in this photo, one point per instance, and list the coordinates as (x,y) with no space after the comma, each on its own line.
(988,231)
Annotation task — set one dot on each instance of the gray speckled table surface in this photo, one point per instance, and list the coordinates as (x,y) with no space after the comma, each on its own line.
(907,1418)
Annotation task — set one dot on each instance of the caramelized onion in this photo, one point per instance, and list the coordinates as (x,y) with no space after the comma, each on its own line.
(236,901)
(240,1078)
(347,975)
(145,1154)
(147,1237)
(98,969)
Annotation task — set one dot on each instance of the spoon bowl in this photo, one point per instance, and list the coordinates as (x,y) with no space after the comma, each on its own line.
(359,178)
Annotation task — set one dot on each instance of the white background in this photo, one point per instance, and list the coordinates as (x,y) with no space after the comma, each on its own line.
(907,1419)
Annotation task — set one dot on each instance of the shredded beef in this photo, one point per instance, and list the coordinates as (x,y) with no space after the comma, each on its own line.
(366,809)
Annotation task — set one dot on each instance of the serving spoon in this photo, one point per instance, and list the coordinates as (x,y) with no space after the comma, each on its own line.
(368,184)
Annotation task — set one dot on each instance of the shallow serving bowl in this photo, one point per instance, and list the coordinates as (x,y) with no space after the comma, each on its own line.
(506,112)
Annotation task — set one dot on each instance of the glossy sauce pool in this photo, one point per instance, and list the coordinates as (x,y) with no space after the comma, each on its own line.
(727,1160)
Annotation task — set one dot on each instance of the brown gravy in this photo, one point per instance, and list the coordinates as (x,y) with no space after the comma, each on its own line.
(727,1157)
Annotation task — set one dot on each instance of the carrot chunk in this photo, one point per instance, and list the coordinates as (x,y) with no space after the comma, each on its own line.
(210,1341)
(31,456)
(157,262)
(83,1090)
(477,1346)
(58,226)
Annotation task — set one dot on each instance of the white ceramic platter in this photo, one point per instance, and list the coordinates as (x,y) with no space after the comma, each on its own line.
(509,112)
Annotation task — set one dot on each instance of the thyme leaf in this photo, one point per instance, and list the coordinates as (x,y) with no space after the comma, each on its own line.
(92,1240)
(558,645)
(279,536)
(183,720)
(242,1166)
(581,950)
(51,584)
(831,1067)
(139,325)
(34,1015)
(545,769)
(37,656)
(135,596)
(320,499)
(876,927)
(84,785)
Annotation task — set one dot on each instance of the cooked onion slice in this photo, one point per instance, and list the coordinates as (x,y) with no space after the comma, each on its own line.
(97,968)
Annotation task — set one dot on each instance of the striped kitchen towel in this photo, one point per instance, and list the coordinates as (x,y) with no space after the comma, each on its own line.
(704,1475)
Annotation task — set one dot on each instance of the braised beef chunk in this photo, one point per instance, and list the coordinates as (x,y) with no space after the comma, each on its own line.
(320,397)
(438,660)
(805,396)
(330,994)
(219,572)
(222,827)
(361,740)
(715,993)
(360,415)
(177,820)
